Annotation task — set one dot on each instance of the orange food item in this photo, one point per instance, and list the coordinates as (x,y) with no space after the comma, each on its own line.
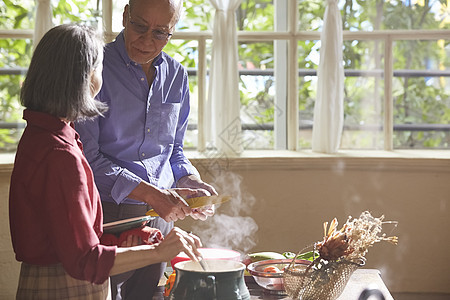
(272,269)
(169,283)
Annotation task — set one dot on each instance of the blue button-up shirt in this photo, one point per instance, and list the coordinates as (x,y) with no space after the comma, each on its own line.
(141,135)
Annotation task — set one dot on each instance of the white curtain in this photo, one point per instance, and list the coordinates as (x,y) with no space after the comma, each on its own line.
(43,20)
(329,106)
(223,105)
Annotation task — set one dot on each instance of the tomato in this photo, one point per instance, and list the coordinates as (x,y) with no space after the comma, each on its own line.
(271,269)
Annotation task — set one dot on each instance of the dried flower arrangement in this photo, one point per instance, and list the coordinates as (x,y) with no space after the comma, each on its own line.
(340,253)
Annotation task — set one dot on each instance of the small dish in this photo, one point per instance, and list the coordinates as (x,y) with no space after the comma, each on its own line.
(271,281)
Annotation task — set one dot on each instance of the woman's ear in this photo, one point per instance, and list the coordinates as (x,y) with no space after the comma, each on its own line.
(95,80)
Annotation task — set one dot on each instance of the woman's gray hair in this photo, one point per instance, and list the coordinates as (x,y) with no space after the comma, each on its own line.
(58,78)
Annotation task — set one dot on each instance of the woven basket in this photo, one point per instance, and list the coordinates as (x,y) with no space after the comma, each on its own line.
(326,282)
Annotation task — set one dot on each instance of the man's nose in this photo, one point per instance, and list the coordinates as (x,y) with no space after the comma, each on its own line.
(148,38)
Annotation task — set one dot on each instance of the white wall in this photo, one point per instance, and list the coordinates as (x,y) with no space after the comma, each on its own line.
(294,196)
(9,267)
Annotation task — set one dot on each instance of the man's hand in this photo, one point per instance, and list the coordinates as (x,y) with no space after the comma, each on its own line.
(169,204)
(193,182)
(203,213)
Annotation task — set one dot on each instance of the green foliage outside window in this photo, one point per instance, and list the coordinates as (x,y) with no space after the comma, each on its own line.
(14,53)
(418,100)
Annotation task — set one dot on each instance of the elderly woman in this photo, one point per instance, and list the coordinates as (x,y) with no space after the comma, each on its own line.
(55,210)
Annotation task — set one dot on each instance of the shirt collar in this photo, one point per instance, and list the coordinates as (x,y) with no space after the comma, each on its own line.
(120,43)
(53,124)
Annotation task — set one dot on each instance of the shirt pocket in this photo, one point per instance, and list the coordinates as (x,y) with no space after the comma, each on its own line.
(169,120)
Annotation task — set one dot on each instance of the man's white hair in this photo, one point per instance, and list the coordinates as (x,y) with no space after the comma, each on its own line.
(176,4)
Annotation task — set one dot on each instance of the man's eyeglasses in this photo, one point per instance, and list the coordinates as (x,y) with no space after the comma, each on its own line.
(139,28)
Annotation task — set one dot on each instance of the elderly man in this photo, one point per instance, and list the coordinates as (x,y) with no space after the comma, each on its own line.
(136,149)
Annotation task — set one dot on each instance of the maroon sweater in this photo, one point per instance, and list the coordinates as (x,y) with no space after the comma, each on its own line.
(54,206)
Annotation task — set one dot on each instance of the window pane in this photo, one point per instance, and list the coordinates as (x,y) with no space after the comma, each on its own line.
(15,55)
(11,124)
(198,16)
(76,11)
(257,15)
(20,14)
(421,94)
(186,52)
(411,14)
(308,61)
(17,15)
(257,94)
(363,95)
(369,15)
(310,14)
(118,6)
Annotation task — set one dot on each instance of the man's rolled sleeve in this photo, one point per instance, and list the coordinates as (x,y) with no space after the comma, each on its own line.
(181,170)
(125,183)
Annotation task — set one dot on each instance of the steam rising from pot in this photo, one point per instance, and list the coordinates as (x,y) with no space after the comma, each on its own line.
(229,228)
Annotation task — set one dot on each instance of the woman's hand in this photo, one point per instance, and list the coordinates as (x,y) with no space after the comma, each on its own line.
(132,258)
(178,241)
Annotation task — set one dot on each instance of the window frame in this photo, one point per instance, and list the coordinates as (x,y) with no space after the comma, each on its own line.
(291,35)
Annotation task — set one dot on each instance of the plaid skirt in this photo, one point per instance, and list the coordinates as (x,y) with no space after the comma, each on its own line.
(53,282)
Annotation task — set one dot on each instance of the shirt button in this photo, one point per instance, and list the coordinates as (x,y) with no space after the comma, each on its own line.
(143,154)
(142,78)
(148,130)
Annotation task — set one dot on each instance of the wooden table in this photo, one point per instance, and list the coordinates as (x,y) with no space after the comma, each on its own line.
(360,279)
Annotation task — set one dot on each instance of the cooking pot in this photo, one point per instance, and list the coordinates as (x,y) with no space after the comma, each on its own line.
(223,280)
(209,253)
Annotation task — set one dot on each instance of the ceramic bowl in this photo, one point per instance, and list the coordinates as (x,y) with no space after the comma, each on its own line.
(264,275)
